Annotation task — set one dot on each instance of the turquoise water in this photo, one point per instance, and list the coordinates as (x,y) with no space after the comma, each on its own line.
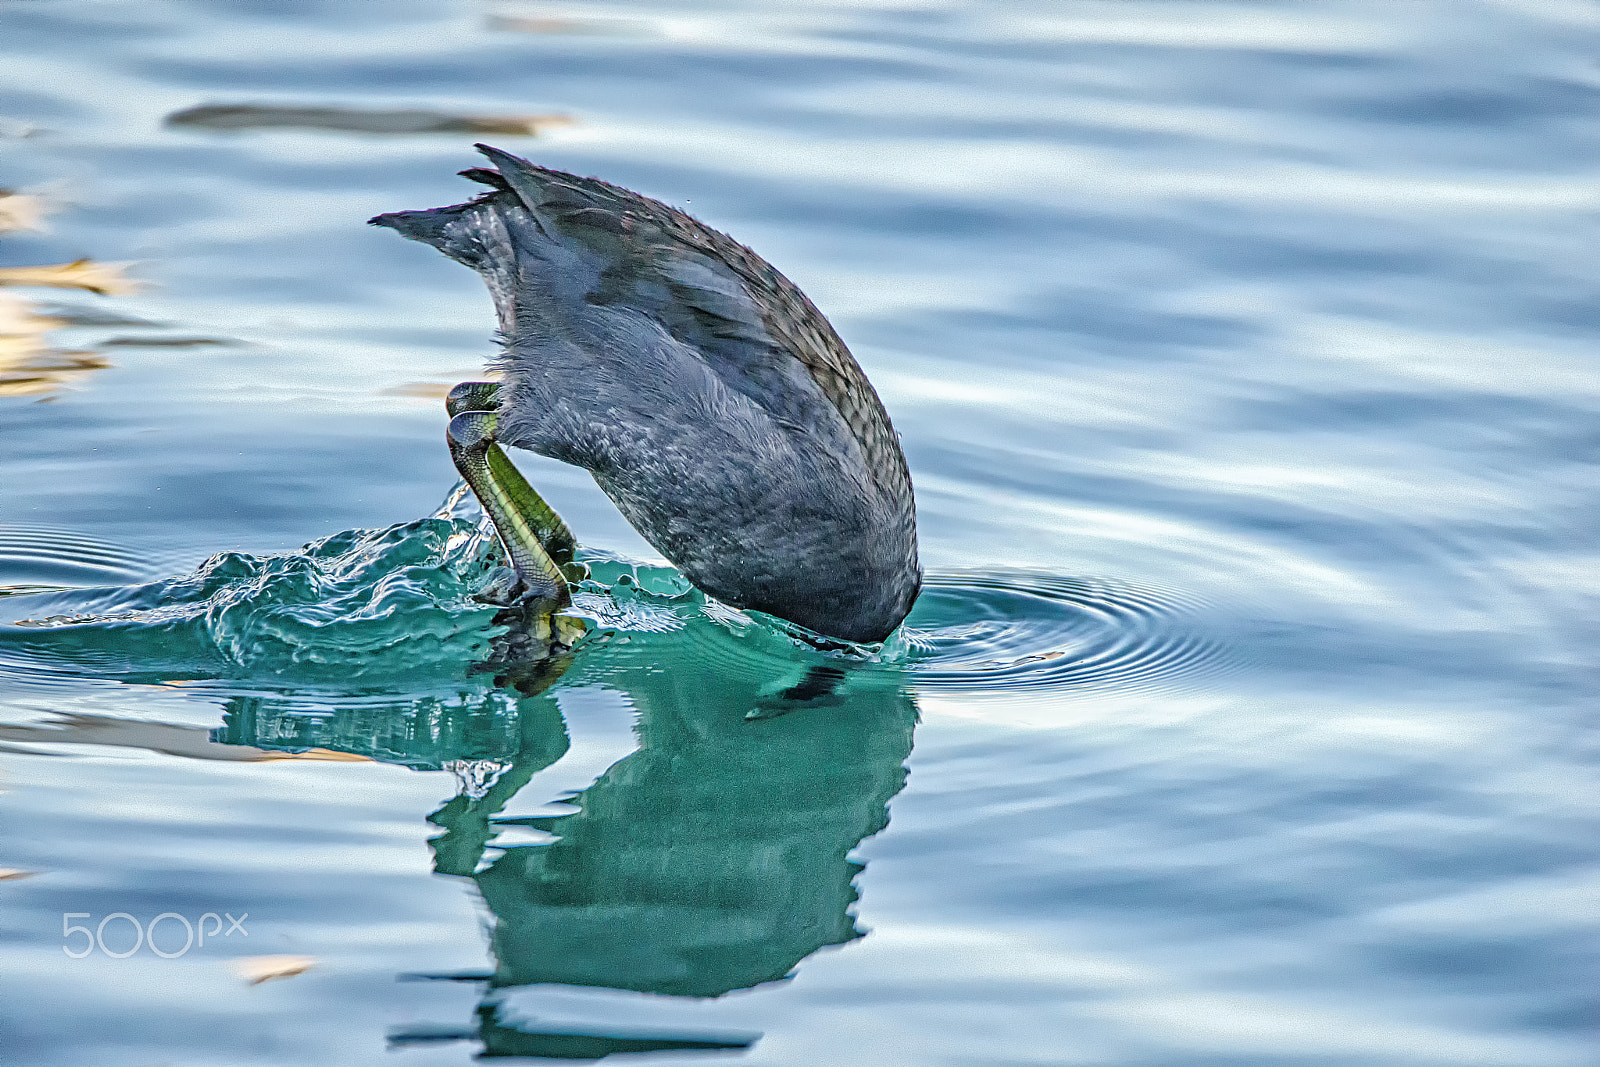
(1243,357)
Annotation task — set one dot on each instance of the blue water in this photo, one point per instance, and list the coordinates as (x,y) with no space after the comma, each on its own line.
(1243,358)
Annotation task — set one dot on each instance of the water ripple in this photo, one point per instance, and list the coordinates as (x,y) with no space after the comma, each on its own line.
(1035,632)
(392,607)
(39,558)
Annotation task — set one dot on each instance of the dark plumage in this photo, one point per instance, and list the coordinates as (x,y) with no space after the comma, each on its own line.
(708,397)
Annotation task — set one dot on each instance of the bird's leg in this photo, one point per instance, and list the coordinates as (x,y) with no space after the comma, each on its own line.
(553,534)
(539,544)
(471,437)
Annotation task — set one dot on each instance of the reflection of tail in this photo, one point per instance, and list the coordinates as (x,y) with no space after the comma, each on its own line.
(537,231)
(474,234)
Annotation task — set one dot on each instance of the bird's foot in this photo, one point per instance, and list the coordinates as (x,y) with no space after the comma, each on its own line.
(473,396)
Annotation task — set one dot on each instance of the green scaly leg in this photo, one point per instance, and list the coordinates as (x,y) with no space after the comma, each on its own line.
(538,542)
(554,534)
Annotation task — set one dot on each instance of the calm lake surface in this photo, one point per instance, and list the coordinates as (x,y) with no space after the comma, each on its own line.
(1244,358)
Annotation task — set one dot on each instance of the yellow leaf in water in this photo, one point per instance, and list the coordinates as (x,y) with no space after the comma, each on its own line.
(18,211)
(17,350)
(258,969)
(28,365)
(107,279)
(18,318)
(11,874)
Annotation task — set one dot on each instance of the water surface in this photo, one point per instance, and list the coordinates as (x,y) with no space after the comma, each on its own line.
(1243,357)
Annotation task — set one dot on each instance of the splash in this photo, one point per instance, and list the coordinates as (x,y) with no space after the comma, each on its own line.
(348,619)
(358,613)
(362,608)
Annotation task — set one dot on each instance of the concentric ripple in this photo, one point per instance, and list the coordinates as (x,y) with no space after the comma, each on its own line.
(1022,632)
(36,558)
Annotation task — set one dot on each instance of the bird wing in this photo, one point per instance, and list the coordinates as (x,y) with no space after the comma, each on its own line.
(710,292)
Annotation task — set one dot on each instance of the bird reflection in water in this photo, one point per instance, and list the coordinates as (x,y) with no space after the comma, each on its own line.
(713,858)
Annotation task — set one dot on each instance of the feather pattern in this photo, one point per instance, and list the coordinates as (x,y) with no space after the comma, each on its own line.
(708,396)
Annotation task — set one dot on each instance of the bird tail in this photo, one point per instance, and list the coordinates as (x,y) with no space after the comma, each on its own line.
(471,233)
(516,235)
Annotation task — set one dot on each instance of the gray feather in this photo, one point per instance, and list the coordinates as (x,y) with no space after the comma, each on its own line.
(710,399)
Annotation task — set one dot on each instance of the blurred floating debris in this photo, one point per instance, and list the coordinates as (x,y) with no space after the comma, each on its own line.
(521,24)
(29,366)
(11,874)
(45,372)
(234,117)
(168,342)
(452,976)
(22,211)
(76,315)
(16,129)
(512,23)
(169,738)
(258,969)
(107,279)
(421,390)
(19,318)
(440,390)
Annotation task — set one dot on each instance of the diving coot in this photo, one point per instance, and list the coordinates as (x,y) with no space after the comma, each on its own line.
(709,398)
